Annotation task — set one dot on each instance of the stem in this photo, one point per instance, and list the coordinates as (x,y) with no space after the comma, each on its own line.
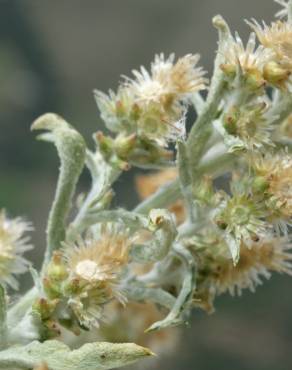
(133,221)
(16,313)
(185,179)
(202,128)
(98,190)
(167,194)
(164,196)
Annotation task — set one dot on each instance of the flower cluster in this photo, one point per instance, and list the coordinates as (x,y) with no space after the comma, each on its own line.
(214,216)
(152,106)
(82,278)
(218,275)
(249,60)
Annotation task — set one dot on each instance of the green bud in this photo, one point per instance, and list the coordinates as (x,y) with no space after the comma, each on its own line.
(72,287)
(135,112)
(52,288)
(44,308)
(229,70)
(230,120)
(124,145)
(260,184)
(254,79)
(57,270)
(105,144)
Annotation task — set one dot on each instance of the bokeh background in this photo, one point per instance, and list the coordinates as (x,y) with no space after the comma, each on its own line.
(52,55)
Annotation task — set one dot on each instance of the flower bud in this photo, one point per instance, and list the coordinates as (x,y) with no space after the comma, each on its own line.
(260,184)
(230,120)
(229,70)
(57,270)
(44,307)
(124,145)
(275,74)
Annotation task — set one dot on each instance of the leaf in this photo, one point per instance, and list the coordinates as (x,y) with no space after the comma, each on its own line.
(183,301)
(71,149)
(162,225)
(57,356)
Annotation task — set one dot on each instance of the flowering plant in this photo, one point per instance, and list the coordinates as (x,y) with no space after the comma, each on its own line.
(110,274)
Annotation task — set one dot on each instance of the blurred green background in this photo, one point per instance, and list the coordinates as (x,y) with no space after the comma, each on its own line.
(52,55)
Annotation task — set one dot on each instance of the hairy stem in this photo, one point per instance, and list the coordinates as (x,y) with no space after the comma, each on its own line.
(214,164)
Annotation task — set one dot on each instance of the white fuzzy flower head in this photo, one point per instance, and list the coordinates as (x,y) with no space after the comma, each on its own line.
(241,220)
(218,275)
(257,261)
(94,267)
(276,172)
(250,59)
(13,243)
(153,104)
(276,37)
(249,126)
(173,81)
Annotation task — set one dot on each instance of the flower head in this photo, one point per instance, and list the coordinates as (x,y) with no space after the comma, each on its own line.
(169,81)
(217,274)
(276,37)
(153,105)
(256,261)
(13,243)
(241,220)
(276,172)
(250,59)
(249,125)
(87,275)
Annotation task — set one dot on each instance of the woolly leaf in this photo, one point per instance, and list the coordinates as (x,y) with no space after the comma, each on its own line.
(57,356)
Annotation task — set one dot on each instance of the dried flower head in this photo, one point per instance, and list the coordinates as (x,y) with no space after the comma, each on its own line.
(241,219)
(275,170)
(153,105)
(13,243)
(256,261)
(276,37)
(249,125)
(94,267)
(218,275)
(171,81)
(250,59)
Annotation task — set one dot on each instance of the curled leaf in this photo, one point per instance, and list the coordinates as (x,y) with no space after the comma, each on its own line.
(71,149)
